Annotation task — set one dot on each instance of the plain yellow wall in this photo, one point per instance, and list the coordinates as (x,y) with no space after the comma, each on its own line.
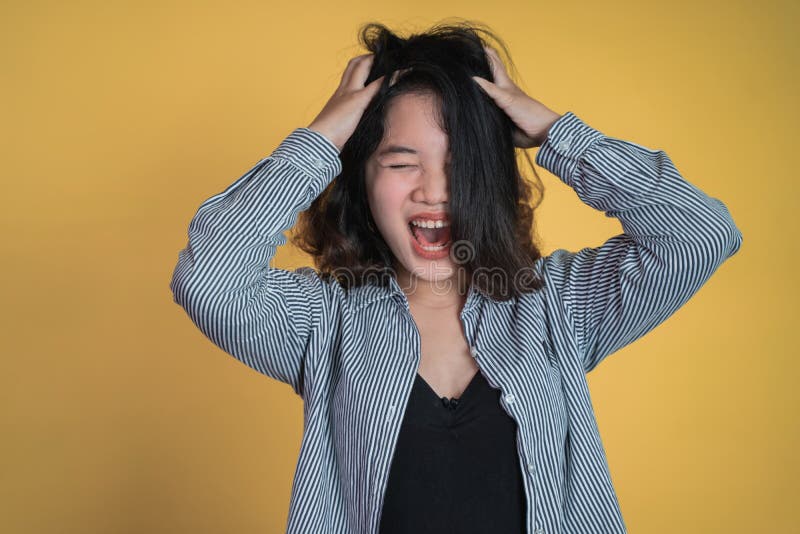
(119,416)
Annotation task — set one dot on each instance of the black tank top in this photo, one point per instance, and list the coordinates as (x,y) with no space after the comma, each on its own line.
(456,466)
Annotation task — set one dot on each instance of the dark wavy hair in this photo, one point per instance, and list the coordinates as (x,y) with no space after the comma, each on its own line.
(491,203)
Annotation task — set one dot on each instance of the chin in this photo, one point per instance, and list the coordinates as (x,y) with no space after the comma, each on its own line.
(430,270)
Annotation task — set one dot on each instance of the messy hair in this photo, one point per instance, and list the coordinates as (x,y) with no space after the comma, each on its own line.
(491,204)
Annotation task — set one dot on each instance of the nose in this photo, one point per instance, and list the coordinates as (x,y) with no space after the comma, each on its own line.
(432,188)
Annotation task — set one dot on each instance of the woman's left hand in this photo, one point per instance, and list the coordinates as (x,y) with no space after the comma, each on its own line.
(532,118)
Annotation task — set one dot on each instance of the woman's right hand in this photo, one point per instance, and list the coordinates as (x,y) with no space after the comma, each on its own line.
(339,117)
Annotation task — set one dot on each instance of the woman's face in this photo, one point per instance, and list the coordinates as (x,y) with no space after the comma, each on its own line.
(406,179)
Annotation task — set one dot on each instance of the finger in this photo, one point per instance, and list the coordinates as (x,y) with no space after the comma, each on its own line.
(374,85)
(360,72)
(348,70)
(396,74)
(498,69)
(490,56)
(486,85)
(497,94)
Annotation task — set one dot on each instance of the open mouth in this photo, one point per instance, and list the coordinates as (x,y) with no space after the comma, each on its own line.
(430,239)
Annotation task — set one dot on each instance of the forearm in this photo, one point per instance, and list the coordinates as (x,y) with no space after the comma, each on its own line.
(234,234)
(639,186)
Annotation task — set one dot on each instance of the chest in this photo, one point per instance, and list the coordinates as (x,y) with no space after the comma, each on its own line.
(361,392)
(380,349)
(446,362)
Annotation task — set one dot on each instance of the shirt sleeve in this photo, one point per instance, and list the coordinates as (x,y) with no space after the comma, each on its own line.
(262,315)
(674,238)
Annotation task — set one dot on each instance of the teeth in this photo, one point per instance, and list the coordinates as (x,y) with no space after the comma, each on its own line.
(439,247)
(430,247)
(430,224)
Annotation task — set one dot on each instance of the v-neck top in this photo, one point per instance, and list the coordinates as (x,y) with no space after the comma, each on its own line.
(455,468)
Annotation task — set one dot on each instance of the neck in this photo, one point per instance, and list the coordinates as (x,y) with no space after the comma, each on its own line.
(442,294)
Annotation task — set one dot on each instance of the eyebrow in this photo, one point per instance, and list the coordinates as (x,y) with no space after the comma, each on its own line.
(396,149)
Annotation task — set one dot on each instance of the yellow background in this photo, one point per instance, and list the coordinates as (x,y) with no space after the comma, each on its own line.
(119,416)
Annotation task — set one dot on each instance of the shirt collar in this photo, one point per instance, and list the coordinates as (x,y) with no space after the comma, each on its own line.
(371,292)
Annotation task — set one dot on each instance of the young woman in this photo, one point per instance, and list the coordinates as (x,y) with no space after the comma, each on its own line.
(441,359)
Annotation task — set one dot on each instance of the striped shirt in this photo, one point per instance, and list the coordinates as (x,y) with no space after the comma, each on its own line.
(352,355)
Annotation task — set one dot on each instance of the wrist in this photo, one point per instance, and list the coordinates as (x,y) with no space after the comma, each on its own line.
(550,118)
(325,133)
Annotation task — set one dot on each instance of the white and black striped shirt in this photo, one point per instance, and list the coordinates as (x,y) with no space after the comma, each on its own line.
(352,356)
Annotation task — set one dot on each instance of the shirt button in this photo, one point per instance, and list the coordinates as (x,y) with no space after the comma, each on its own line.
(318,163)
(539,531)
(530,468)
(510,398)
(473,351)
(563,146)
